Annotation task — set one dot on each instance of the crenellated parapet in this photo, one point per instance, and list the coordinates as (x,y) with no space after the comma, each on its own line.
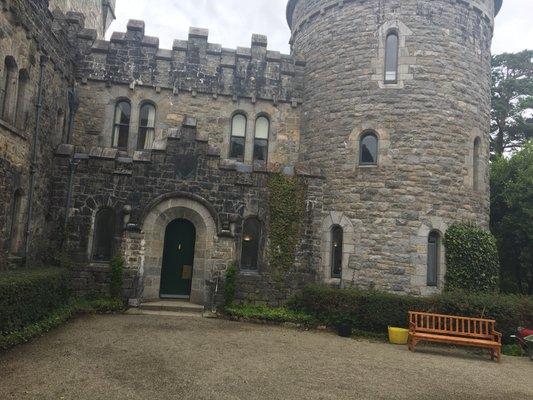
(193,65)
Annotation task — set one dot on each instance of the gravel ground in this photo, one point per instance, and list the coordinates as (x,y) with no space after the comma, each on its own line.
(155,357)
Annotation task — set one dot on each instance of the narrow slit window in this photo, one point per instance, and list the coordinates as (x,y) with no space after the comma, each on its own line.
(22,99)
(251,239)
(476,162)
(262,128)
(238,137)
(433,258)
(121,128)
(9,91)
(146,127)
(336,251)
(391,57)
(104,232)
(368,149)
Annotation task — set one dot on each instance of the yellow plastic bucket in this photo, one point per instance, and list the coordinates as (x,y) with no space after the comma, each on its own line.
(398,335)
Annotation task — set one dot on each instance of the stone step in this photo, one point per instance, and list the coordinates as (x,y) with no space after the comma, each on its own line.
(172,306)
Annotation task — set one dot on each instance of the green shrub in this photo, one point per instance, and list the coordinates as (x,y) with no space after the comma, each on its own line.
(230,285)
(29,295)
(264,313)
(117,281)
(471,259)
(512,350)
(373,311)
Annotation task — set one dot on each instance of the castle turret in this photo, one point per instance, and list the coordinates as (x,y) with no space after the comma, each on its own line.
(396,112)
(99,14)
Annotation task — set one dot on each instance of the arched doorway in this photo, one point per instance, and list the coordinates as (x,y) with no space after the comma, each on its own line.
(178,260)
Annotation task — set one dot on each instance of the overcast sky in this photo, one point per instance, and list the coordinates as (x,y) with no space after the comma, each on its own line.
(232,22)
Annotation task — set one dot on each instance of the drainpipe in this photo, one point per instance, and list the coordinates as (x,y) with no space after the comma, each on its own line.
(73,103)
(73,164)
(33,161)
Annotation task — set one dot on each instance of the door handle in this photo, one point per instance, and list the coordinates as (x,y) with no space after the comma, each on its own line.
(179,247)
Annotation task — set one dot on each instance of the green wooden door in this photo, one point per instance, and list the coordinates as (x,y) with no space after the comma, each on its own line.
(178,259)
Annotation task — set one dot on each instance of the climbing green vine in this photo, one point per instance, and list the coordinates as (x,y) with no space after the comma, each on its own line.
(286,207)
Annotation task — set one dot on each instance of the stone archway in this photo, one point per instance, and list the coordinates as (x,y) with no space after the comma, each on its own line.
(154,226)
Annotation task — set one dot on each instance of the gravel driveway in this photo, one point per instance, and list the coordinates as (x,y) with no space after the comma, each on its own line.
(155,357)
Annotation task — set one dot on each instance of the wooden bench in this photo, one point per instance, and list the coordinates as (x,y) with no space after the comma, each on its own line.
(476,332)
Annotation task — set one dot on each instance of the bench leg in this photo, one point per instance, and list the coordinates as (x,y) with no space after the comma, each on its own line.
(412,344)
(495,354)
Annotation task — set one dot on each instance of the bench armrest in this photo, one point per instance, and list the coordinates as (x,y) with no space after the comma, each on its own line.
(498,336)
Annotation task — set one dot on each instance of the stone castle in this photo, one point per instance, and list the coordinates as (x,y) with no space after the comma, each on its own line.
(164,156)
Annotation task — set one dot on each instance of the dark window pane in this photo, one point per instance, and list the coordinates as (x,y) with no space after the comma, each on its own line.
(369,149)
(121,136)
(476,161)
(433,258)
(391,58)
(147,117)
(336,251)
(237,148)
(260,150)
(251,237)
(104,227)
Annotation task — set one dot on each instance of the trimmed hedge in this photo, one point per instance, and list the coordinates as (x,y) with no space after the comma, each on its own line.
(29,295)
(472,262)
(57,318)
(374,311)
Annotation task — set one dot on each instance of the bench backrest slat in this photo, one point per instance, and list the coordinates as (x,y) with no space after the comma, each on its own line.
(452,325)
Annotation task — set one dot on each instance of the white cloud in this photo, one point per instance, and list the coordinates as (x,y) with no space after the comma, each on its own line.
(232,22)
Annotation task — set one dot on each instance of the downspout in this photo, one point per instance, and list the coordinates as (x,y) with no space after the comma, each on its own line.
(73,165)
(33,161)
(74,104)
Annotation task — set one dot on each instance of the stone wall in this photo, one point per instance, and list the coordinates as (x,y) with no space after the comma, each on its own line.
(188,179)
(426,123)
(193,66)
(28,31)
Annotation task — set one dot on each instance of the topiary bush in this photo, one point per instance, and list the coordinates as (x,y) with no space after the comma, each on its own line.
(471,259)
(28,295)
(116,284)
(373,311)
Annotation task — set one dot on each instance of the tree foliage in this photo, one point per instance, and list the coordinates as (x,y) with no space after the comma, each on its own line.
(512,218)
(512,100)
(471,259)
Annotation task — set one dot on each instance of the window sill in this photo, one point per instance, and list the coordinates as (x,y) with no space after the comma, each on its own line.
(367,165)
(12,129)
(249,273)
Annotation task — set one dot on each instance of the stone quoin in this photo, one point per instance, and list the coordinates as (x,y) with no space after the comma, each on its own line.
(164,156)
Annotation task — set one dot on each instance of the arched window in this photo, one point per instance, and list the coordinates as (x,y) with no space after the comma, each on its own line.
(121,127)
(9,89)
(368,149)
(433,258)
(391,57)
(238,137)
(337,237)
(262,128)
(146,127)
(476,166)
(103,237)
(22,99)
(14,222)
(251,239)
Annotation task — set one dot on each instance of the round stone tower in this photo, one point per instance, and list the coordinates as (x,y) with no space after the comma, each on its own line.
(430,113)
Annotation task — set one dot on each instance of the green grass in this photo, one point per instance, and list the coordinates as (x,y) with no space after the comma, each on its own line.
(268,314)
(58,318)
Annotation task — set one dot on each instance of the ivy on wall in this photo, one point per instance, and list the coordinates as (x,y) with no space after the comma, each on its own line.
(286,210)
(471,259)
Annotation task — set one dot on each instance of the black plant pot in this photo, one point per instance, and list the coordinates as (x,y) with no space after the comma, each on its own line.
(344,330)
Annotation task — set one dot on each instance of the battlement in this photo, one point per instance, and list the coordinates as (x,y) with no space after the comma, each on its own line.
(193,65)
